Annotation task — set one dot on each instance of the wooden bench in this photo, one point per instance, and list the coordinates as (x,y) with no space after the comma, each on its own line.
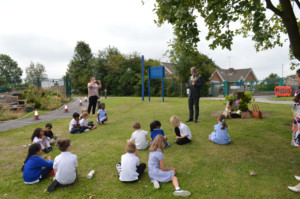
(11,102)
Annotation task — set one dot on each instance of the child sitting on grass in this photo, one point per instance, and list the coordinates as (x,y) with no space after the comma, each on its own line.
(130,169)
(75,126)
(220,135)
(36,168)
(102,114)
(49,134)
(157,170)
(139,136)
(84,121)
(39,137)
(182,131)
(65,166)
(155,130)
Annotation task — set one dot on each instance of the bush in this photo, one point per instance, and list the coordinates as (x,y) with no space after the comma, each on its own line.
(50,102)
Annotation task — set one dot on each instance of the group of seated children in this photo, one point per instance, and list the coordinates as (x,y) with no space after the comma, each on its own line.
(45,138)
(80,123)
(36,168)
(130,170)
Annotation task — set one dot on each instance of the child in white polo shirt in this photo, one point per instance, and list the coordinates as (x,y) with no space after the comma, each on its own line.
(130,169)
(182,131)
(65,166)
(139,136)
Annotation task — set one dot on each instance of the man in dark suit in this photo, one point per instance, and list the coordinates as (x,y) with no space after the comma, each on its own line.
(194,84)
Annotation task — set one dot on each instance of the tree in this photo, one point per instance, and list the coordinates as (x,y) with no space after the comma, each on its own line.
(80,68)
(221,17)
(35,72)
(205,66)
(272,76)
(9,70)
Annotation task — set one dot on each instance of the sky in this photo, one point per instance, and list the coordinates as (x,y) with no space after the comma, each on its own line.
(47,31)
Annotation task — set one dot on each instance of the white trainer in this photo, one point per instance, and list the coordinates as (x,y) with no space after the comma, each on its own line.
(156,184)
(86,130)
(118,166)
(297,178)
(181,192)
(294,189)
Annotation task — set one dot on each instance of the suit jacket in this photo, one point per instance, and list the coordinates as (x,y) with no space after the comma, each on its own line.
(195,89)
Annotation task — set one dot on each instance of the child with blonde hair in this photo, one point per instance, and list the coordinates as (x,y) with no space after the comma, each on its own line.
(130,169)
(182,131)
(220,135)
(139,136)
(84,121)
(157,170)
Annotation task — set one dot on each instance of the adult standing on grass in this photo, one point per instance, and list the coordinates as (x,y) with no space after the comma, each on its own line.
(194,84)
(296,131)
(93,93)
(296,114)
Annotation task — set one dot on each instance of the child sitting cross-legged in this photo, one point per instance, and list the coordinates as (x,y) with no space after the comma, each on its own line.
(39,137)
(65,166)
(49,134)
(139,136)
(220,135)
(75,126)
(36,168)
(84,121)
(130,169)
(102,114)
(182,131)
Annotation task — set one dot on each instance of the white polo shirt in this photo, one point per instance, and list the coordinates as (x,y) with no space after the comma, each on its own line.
(66,164)
(73,121)
(129,162)
(185,130)
(83,122)
(139,138)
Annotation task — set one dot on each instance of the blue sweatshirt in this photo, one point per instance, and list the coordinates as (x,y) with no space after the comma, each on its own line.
(33,167)
(156,132)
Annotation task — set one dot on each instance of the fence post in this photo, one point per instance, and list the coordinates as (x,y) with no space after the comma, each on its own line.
(251,85)
(212,89)
(226,90)
(280,82)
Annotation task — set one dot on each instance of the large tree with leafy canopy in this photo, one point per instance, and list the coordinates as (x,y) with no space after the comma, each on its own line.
(222,17)
(9,70)
(80,68)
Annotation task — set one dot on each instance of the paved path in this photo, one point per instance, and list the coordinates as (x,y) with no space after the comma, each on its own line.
(54,115)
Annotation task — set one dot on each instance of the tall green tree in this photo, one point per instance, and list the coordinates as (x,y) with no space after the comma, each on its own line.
(80,68)
(221,18)
(35,72)
(9,70)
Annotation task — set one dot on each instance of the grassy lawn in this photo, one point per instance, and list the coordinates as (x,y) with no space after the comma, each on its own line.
(282,98)
(205,169)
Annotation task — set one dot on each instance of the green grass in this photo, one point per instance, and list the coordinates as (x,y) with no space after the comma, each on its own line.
(282,98)
(205,169)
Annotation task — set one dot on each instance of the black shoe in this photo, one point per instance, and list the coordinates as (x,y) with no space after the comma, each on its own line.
(196,121)
(52,186)
(46,150)
(50,149)
(188,120)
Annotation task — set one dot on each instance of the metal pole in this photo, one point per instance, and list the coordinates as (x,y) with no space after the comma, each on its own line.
(142,77)
(149,83)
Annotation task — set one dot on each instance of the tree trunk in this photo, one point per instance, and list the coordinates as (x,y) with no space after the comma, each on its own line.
(290,22)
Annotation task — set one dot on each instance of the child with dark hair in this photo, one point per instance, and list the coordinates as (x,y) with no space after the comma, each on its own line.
(65,166)
(130,169)
(49,134)
(75,126)
(102,114)
(36,168)
(155,130)
(39,137)
(220,135)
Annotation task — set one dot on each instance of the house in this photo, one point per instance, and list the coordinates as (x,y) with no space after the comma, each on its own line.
(232,75)
(169,69)
(290,81)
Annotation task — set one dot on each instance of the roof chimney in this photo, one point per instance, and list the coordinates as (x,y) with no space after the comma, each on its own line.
(230,71)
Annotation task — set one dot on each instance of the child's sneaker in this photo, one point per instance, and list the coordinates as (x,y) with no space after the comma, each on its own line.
(50,149)
(46,150)
(181,192)
(156,184)
(94,128)
(86,130)
(118,166)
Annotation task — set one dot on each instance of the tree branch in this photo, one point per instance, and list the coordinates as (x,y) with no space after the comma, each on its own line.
(298,3)
(273,8)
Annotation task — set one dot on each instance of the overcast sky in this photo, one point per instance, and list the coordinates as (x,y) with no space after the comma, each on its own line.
(47,31)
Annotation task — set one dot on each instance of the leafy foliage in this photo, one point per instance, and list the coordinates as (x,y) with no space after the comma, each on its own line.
(9,70)
(222,18)
(35,72)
